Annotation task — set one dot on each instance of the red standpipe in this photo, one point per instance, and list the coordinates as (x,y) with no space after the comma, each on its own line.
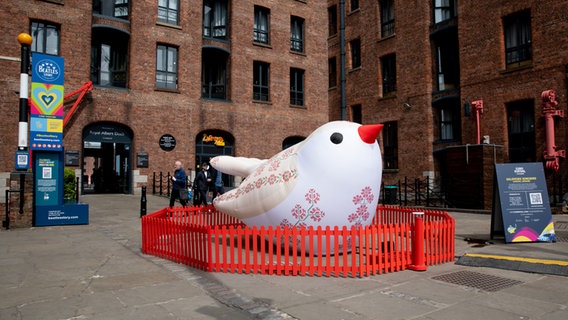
(549,111)
(418,260)
(478,109)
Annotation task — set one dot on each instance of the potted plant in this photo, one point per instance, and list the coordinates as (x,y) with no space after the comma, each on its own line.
(69,191)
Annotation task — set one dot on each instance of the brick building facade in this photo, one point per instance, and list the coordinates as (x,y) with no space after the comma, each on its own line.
(253,73)
(420,67)
(247,72)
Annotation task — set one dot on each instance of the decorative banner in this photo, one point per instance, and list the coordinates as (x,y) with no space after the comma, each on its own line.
(47,99)
(46,107)
(46,133)
(47,69)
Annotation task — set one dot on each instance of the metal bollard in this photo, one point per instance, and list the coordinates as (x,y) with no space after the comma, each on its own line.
(143,202)
(418,244)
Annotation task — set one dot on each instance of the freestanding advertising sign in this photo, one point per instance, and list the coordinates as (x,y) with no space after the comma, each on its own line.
(521,208)
(46,140)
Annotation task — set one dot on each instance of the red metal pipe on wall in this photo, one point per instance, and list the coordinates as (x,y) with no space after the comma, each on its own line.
(549,111)
(478,109)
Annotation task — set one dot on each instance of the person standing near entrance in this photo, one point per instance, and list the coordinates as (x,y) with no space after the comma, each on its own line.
(179,181)
(219,189)
(202,181)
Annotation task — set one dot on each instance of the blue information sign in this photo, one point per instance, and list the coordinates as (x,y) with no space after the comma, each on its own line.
(22,160)
(47,181)
(62,215)
(47,69)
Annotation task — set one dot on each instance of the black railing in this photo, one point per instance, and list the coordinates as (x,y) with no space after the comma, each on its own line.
(414,192)
(162,183)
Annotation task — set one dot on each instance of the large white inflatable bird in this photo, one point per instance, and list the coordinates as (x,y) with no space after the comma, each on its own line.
(332,178)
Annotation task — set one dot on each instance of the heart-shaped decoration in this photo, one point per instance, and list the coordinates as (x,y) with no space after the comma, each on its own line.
(47,99)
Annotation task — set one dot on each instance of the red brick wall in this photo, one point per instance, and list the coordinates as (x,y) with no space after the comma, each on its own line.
(482,69)
(258,128)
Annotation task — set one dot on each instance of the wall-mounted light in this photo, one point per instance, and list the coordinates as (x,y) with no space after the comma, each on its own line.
(407,105)
(467,109)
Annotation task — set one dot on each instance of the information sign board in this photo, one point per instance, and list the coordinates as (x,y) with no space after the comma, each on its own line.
(521,208)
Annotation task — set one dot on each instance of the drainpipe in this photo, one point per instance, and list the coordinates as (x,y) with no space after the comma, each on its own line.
(549,111)
(342,59)
(478,109)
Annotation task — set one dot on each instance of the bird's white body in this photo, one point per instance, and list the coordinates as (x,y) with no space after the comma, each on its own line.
(332,178)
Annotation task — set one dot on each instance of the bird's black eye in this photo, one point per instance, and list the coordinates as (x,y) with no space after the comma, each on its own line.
(336,138)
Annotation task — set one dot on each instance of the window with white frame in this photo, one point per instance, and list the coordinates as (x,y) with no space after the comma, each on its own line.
(166,67)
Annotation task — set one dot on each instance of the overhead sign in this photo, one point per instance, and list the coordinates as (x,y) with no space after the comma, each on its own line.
(521,208)
(107,133)
(46,103)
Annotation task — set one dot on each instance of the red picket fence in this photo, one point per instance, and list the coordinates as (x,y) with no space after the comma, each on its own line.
(202,238)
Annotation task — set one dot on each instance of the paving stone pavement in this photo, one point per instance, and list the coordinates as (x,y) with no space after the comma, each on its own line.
(97,271)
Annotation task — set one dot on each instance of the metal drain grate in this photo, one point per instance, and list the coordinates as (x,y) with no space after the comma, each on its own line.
(561,231)
(477,280)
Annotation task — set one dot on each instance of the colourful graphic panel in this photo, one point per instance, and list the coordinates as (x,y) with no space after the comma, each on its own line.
(47,99)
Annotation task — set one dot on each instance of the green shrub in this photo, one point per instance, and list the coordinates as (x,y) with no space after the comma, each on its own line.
(68,183)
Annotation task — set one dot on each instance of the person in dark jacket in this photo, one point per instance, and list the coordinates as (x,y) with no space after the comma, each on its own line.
(179,181)
(202,181)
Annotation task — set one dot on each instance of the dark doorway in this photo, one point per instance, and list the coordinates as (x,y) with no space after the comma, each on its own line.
(212,143)
(107,159)
(520,122)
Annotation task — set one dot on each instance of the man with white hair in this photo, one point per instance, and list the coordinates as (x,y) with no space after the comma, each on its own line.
(179,182)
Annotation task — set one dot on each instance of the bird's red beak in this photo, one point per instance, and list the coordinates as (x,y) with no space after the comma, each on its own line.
(370,132)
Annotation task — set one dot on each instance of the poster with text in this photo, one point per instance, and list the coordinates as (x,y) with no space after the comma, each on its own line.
(521,208)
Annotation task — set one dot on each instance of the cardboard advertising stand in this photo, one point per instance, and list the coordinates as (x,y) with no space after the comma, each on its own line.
(521,208)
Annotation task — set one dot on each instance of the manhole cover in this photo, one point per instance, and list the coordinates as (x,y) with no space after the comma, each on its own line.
(477,280)
(561,231)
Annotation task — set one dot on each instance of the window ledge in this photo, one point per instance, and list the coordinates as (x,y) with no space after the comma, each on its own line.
(354,11)
(169,25)
(387,37)
(260,44)
(99,86)
(262,101)
(298,107)
(55,1)
(216,100)
(523,65)
(391,170)
(390,95)
(298,53)
(166,90)
(355,69)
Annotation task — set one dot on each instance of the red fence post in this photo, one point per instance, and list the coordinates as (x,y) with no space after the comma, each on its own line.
(418,244)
